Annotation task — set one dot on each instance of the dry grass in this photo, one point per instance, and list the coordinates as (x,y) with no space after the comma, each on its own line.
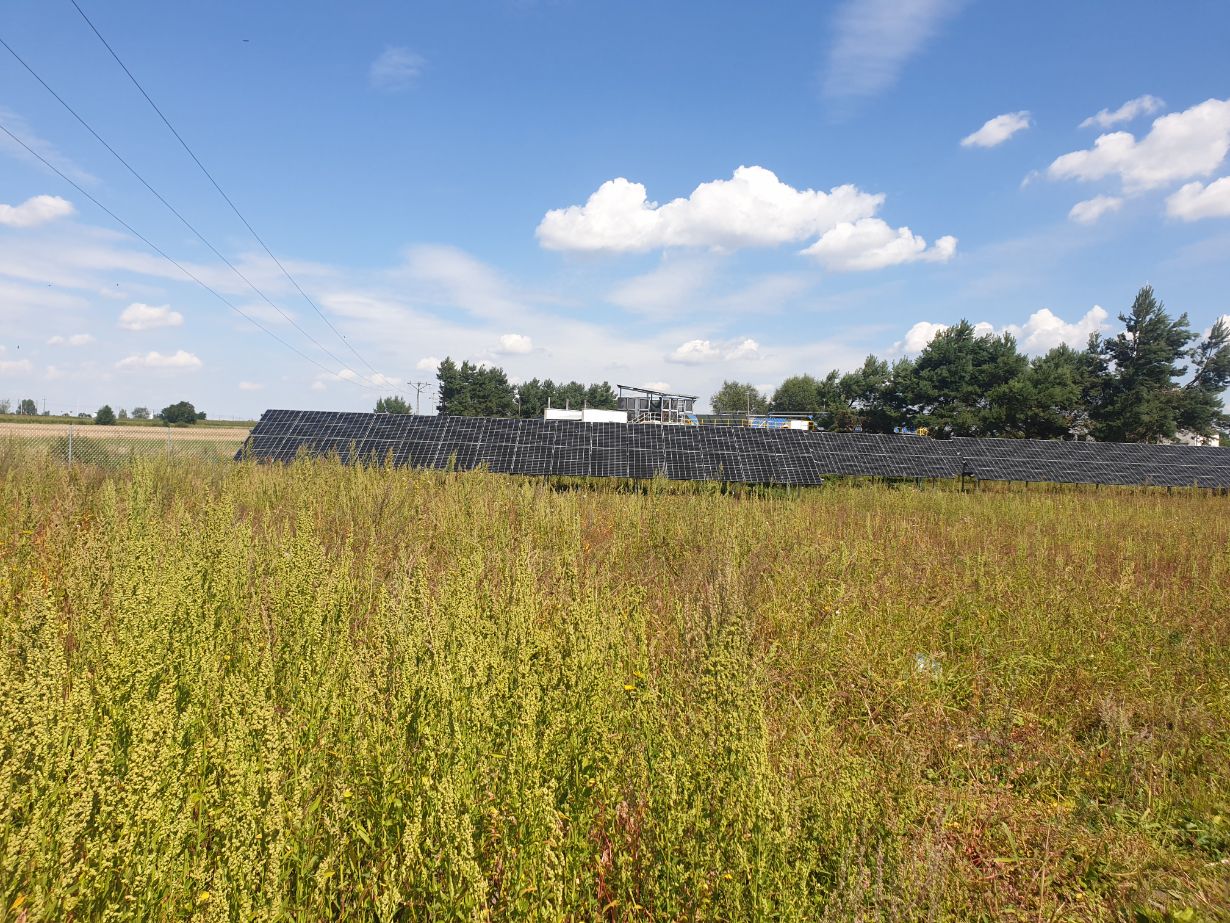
(236,692)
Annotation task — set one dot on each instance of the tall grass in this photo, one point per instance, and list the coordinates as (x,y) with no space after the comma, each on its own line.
(240,692)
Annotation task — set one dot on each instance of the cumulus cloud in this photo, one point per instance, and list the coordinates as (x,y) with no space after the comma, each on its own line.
(180,360)
(917,337)
(1141,105)
(699,352)
(138,316)
(250,386)
(998,130)
(76,339)
(396,69)
(751,209)
(872,244)
(1043,331)
(875,38)
(427,364)
(34,211)
(1179,146)
(657,385)
(1196,200)
(1090,210)
(512,344)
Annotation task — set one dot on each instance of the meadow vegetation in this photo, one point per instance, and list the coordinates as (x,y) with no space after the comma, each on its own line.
(242,692)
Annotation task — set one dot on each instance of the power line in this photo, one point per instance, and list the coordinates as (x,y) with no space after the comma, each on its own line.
(170,259)
(188,224)
(222,193)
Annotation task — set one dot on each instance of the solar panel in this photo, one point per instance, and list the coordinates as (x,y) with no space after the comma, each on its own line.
(729,453)
(1084,462)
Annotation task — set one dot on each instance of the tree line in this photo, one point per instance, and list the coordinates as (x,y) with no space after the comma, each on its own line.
(181,413)
(473,390)
(1150,381)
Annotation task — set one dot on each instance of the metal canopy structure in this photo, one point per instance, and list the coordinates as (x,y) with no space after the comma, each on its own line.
(715,453)
(647,405)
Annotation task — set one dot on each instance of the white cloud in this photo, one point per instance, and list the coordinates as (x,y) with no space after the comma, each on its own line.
(751,209)
(376,379)
(318,385)
(15,366)
(34,211)
(250,386)
(917,337)
(76,339)
(747,348)
(767,293)
(512,344)
(12,367)
(1141,105)
(667,289)
(1196,200)
(396,69)
(695,352)
(138,316)
(179,360)
(21,128)
(998,130)
(455,279)
(427,364)
(699,352)
(875,39)
(1179,146)
(657,385)
(1090,210)
(1043,331)
(872,244)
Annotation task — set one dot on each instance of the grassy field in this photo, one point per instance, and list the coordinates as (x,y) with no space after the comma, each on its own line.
(117,446)
(240,692)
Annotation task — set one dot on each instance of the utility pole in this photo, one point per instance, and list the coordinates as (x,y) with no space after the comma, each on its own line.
(419,387)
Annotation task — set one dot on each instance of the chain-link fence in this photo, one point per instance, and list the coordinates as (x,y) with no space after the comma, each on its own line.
(113,446)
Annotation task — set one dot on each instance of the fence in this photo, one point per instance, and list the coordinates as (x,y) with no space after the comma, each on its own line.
(113,446)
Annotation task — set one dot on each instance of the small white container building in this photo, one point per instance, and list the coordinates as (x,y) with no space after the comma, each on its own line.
(586,415)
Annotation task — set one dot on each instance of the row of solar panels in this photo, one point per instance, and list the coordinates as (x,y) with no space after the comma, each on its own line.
(736,454)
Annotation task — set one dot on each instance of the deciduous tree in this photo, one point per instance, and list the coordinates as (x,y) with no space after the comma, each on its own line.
(739,397)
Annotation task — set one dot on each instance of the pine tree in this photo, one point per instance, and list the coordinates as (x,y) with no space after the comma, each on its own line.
(1201,409)
(1141,400)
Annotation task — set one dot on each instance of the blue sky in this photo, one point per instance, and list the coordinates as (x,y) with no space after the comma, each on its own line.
(638,192)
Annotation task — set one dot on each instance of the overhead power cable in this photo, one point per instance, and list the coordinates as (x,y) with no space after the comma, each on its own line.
(188,224)
(214,182)
(170,259)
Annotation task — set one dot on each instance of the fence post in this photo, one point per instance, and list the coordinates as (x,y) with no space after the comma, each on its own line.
(168,442)
(70,444)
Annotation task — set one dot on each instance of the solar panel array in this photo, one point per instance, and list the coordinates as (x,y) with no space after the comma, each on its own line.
(722,453)
(1094,462)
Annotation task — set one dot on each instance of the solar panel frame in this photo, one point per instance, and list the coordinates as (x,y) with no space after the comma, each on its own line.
(731,453)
